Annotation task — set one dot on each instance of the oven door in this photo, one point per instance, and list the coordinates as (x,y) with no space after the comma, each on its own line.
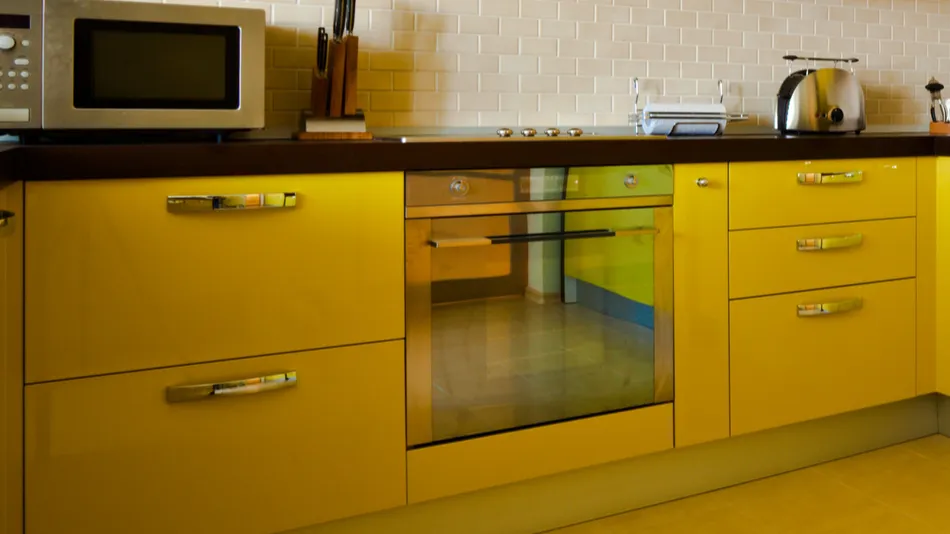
(152,66)
(526,319)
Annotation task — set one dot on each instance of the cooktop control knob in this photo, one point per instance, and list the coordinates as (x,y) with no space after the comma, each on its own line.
(504,132)
(552,132)
(529,132)
(836,115)
(7,42)
(575,132)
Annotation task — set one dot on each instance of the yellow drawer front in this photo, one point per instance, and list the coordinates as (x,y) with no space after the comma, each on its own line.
(109,455)
(781,260)
(785,368)
(508,457)
(117,282)
(763,195)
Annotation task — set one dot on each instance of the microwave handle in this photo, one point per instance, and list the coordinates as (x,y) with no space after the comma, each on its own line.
(535,238)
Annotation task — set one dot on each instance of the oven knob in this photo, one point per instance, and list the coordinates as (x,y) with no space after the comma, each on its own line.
(7,42)
(459,187)
(504,132)
(836,115)
(552,132)
(575,132)
(529,132)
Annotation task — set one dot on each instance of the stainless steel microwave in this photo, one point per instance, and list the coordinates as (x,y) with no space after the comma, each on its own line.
(102,65)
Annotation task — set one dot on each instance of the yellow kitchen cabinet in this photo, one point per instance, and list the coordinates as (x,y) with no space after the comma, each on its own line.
(927,278)
(119,282)
(787,193)
(11,357)
(478,463)
(798,258)
(111,455)
(942,282)
(790,364)
(701,303)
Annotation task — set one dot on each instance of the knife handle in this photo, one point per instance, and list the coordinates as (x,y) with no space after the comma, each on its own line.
(338,13)
(349,16)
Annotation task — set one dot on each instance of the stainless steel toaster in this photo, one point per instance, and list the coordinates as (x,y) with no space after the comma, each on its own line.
(824,100)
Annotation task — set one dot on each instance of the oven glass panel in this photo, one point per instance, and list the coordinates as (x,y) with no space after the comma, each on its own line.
(528,319)
(149,65)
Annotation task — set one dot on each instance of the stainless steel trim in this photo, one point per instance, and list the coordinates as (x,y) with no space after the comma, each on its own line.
(829,243)
(58,67)
(663,377)
(539,206)
(247,386)
(830,308)
(818,178)
(418,332)
(5,217)
(531,238)
(251,201)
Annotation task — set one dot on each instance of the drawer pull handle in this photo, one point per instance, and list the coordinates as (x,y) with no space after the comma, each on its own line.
(824,178)
(5,217)
(534,238)
(247,386)
(252,201)
(829,243)
(829,308)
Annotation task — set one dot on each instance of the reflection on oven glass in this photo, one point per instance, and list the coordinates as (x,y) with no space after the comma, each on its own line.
(530,331)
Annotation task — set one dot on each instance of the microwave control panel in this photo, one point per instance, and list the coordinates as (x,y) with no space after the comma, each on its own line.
(21,68)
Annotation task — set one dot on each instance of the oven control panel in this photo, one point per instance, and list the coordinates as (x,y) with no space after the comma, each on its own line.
(21,67)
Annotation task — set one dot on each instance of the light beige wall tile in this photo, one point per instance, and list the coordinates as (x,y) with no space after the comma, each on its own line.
(571,62)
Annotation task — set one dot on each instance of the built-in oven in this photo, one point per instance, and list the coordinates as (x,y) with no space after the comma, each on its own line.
(536,296)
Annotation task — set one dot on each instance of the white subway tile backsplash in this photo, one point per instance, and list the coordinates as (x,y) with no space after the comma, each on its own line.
(612,50)
(571,62)
(558,28)
(575,84)
(498,44)
(519,64)
(478,63)
(538,84)
(520,27)
(498,83)
(500,8)
(612,14)
(542,46)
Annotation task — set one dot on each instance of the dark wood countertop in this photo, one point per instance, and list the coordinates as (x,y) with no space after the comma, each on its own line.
(71,162)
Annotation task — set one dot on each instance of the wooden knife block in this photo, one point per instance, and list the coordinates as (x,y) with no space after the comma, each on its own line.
(339,89)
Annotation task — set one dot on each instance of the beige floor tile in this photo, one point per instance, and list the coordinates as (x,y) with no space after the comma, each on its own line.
(903,489)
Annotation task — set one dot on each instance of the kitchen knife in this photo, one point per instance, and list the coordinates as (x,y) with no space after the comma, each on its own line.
(338,20)
(323,46)
(352,43)
(349,17)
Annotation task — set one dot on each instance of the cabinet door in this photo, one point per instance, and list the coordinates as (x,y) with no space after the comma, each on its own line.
(942,281)
(110,455)
(11,356)
(701,303)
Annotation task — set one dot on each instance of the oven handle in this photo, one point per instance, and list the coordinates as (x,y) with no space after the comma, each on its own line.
(534,238)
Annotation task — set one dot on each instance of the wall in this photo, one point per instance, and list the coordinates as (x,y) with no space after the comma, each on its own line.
(570,62)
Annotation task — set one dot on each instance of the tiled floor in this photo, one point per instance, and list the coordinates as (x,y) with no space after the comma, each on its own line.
(904,489)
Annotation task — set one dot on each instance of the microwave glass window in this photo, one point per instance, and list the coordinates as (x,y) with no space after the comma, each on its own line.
(148,65)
